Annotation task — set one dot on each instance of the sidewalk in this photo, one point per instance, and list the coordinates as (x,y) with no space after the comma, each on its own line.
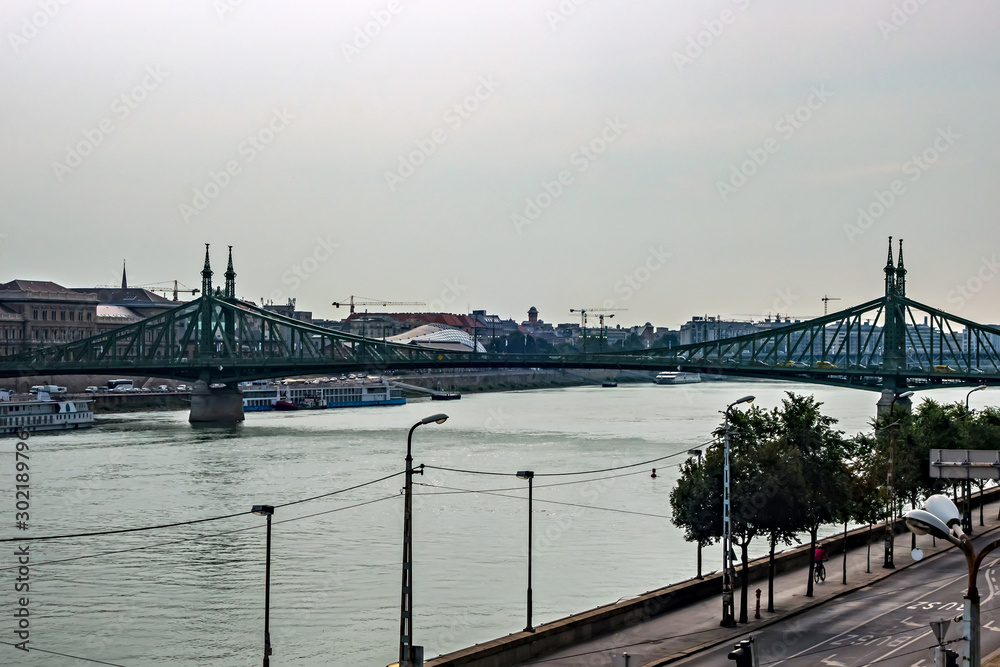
(679,633)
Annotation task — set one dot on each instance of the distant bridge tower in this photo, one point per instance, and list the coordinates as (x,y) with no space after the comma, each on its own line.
(231,275)
(894,334)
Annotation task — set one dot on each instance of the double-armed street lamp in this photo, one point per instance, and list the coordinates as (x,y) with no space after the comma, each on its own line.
(406,652)
(890,535)
(530,476)
(728,602)
(940,517)
(268,511)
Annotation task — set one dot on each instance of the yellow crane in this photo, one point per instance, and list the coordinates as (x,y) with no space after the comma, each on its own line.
(353,301)
(177,288)
(583,319)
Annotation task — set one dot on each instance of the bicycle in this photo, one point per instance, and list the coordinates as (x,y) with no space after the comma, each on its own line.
(819,572)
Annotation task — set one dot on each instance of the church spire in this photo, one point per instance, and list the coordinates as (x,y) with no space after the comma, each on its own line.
(206,275)
(230,277)
(124,279)
(890,272)
(901,272)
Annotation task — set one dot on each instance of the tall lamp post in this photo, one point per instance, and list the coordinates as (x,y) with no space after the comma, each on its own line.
(890,537)
(967,484)
(940,517)
(530,476)
(268,511)
(728,603)
(697,452)
(406,611)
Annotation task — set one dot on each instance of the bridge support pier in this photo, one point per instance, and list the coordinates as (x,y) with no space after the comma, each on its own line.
(222,406)
(885,401)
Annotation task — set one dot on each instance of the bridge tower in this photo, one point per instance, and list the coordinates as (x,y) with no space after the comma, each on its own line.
(215,404)
(894,334)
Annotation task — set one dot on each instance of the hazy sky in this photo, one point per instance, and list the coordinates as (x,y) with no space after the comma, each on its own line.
(669,157)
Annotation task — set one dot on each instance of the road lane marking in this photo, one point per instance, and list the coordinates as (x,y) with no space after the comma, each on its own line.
(830,661)
(865,622)
(879,659)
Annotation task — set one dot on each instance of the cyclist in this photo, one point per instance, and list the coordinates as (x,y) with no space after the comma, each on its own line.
(819,556)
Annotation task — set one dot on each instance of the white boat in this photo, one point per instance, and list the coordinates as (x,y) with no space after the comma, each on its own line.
(41,413)
(308,396)
(672,377)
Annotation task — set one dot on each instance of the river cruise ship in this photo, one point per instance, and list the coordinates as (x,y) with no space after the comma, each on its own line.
(308,396)
(42,414)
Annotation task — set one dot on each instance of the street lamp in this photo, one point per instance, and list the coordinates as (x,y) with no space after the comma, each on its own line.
(728,604)
(697,452)
(887,561)
(940,517)
(530,476)
(406,612)
(971,391)
(268,511)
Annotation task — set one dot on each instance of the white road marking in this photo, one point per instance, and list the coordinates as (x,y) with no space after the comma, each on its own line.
(829,661)
(865,622)
(906,621)
(898,648)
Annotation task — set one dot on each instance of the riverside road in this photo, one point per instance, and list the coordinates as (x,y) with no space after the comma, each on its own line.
(885,623)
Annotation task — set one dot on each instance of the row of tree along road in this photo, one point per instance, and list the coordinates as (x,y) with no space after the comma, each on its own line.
(791,472)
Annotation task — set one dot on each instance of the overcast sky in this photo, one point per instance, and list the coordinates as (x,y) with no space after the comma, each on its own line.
(672,158)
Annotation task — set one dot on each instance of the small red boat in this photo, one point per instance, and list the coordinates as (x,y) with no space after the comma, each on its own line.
(285,405)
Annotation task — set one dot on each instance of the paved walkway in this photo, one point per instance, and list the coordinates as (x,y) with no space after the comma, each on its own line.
(677,634)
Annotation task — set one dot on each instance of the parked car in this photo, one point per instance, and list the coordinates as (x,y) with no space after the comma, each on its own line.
(92,390)
(163,387)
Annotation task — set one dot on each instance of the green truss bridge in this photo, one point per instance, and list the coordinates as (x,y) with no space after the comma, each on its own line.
(890,345)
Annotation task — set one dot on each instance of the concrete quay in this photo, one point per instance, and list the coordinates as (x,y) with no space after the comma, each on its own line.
(672,623)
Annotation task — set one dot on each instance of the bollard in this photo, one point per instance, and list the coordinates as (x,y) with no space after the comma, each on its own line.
(756,613)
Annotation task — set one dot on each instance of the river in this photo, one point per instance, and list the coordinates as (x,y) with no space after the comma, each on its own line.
(336,575)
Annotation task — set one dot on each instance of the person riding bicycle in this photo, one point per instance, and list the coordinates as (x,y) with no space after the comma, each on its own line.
(818,557)
(820,554)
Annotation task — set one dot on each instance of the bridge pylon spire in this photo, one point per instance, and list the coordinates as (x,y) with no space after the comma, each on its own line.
(901,272)
(230,277)
(890,272)
(206,275)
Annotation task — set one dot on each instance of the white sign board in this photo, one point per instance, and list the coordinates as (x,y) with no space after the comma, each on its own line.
(965,464)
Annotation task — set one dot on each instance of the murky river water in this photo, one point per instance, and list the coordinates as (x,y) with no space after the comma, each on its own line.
(336,574)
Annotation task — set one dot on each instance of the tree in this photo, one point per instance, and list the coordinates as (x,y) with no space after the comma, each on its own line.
(697,500)
(779,468)
(825,496)
(868,496)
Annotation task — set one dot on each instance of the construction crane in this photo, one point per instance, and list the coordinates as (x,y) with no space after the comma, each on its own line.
(367,301)
(177,288)
(583,318)
(826,302)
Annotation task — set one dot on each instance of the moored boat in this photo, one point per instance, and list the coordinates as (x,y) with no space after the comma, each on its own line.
(41,413)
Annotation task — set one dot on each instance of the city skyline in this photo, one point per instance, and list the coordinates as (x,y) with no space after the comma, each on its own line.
(670,159)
